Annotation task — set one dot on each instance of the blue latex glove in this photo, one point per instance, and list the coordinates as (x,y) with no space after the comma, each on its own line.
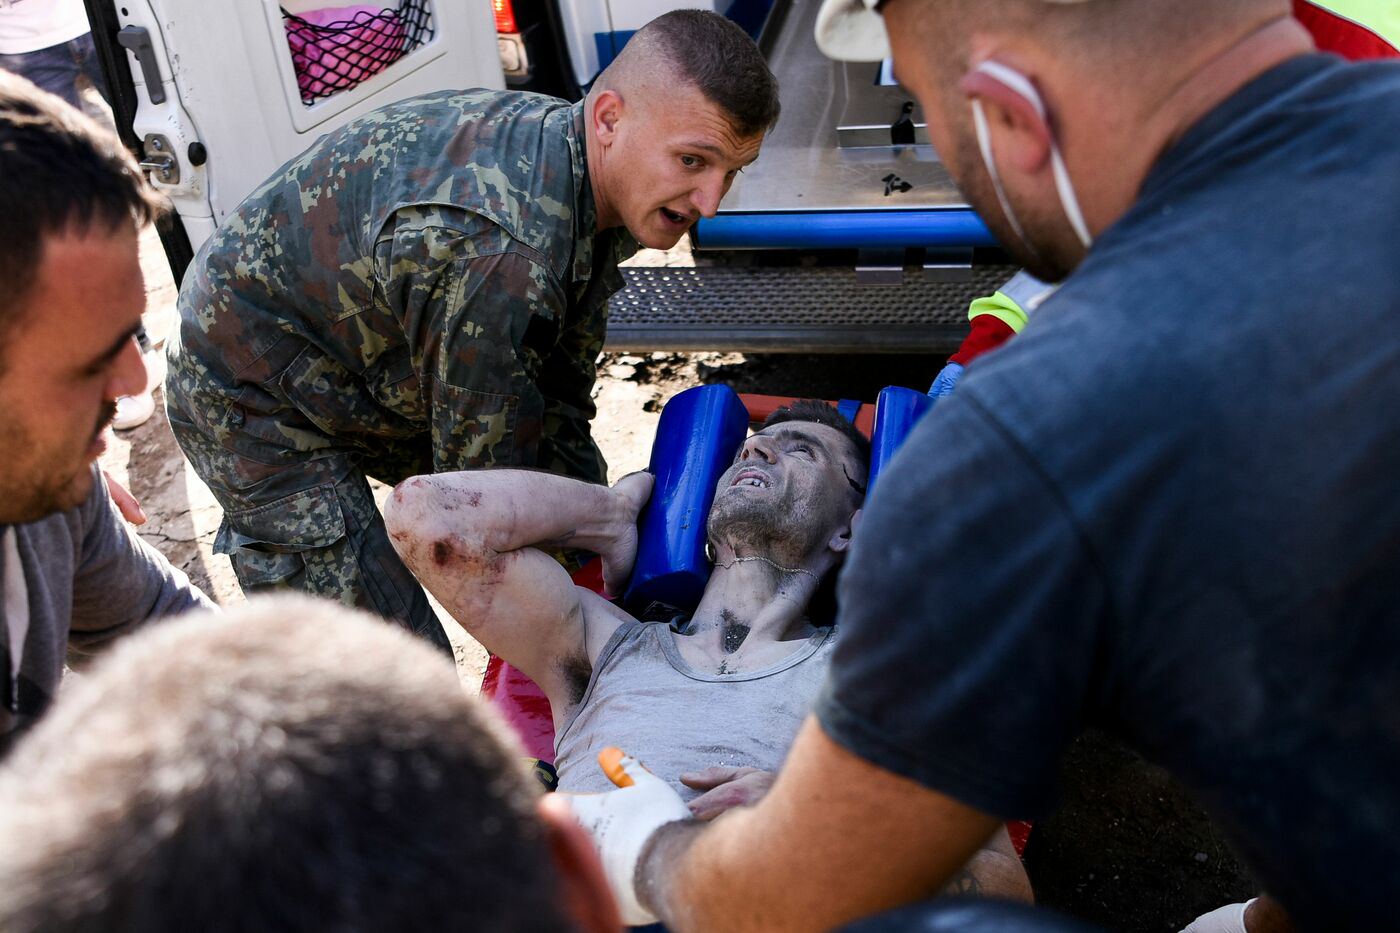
(947,381)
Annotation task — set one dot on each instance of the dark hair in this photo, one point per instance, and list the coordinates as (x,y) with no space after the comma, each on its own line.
(722,62)
(59,170)
(293,766)
(809,409)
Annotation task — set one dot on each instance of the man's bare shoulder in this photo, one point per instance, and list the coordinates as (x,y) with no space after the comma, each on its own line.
(601,620)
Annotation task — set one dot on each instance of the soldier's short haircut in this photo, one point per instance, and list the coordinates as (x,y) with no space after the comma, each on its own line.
(292,766)
(59,171)
(723,63)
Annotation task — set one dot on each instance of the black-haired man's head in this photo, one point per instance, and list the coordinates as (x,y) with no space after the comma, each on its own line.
(795,488)
(292,766)
(672,121)
(820,412)
(71,202)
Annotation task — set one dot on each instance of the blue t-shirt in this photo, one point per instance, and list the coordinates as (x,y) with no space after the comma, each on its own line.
(1171,509)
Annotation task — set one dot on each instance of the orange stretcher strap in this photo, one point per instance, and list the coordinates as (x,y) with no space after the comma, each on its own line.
(761,406)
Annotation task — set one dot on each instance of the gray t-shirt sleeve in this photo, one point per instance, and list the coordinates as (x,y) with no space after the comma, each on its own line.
(119,581)
(970,619)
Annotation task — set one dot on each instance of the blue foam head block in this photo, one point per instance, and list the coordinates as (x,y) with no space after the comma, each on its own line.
(897,410)
(699,432)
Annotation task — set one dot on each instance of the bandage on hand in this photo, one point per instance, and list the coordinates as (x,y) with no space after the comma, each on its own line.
(1227,919)
(622,821)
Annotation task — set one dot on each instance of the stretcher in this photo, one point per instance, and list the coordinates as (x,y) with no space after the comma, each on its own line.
(699,432)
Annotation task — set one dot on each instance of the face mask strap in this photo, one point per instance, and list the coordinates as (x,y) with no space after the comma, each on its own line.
(984,142)
(1068,200)
(1064,186)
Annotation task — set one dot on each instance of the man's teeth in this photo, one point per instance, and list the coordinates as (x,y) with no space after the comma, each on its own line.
(752,481)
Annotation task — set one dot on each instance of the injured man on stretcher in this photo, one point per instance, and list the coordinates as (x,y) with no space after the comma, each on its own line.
(710,703)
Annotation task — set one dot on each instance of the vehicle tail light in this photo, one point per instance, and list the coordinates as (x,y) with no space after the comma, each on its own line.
(505,16)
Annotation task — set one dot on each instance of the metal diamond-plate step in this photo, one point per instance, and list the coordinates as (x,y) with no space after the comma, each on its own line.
(820,309)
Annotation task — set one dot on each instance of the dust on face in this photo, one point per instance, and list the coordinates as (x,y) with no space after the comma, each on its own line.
(789,490)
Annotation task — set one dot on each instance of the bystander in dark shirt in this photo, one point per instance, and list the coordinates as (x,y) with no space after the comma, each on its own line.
(1171,509)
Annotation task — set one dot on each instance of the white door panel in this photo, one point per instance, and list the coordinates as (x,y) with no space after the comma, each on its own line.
(583,21)
(230,85)
(161,122)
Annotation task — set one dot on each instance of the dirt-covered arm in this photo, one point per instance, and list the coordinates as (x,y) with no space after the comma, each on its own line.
(473,539)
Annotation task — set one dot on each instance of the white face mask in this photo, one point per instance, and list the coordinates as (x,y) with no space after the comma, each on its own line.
(1020,84)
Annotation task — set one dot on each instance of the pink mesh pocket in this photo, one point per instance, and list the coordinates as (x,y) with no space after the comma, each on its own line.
(335,48)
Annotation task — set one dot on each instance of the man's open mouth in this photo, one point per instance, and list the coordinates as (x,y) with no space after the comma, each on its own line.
(680,220)
(751,478)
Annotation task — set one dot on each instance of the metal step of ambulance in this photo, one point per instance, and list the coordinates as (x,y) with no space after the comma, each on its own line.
(821,309)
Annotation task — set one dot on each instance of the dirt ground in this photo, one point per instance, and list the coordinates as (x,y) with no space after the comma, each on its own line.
(1126,849)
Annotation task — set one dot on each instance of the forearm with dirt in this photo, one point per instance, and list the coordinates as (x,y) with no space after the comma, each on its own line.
(473,538)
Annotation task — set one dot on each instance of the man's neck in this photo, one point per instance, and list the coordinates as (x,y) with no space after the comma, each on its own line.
(1223,75)
(1162,122)
(752,601)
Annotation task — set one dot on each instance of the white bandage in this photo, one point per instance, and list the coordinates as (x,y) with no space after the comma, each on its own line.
(620,823)
(1227,919)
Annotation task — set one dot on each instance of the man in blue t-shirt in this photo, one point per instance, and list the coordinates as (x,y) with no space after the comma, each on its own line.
(1168,508)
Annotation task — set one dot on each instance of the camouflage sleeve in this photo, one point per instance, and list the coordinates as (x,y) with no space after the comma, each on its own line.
(481,312)
(569,374)
(566,380)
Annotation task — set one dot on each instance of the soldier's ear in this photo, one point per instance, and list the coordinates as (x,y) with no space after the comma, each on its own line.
(607,112)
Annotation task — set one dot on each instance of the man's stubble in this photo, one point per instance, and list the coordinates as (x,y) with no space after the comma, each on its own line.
(33,481)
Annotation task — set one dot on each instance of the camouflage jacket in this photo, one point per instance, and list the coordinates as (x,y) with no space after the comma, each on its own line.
(429,271)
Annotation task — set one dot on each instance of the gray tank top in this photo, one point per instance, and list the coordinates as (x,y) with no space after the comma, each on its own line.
(645,699)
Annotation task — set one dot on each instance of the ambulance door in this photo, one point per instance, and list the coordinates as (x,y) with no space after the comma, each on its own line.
(216,94)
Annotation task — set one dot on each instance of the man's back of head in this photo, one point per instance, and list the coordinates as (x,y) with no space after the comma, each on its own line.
(292,766)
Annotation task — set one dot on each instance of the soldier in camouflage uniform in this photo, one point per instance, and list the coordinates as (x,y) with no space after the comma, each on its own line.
(426,290)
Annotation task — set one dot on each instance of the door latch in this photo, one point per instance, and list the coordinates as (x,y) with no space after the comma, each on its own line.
(159,159)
